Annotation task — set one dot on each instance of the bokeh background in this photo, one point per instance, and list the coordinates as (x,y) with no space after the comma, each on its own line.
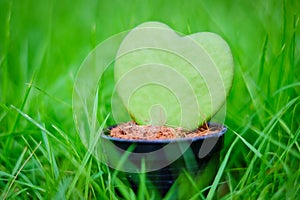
(43,43)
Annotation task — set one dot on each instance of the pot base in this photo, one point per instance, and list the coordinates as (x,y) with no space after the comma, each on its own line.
(194,169)
(175,178)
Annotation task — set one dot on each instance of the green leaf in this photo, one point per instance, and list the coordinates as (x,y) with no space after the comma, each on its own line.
(167,79)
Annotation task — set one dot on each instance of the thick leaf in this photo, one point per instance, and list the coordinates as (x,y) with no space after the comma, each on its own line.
(166,79)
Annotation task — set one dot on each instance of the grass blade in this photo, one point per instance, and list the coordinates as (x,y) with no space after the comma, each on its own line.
(217,179)
(19,167)
(85,159)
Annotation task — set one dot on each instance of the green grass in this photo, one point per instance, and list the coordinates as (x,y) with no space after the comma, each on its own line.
(43,43)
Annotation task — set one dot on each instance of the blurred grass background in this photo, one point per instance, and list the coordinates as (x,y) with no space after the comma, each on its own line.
(43,43)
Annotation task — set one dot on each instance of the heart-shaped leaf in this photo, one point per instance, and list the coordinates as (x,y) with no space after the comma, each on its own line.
(167,79)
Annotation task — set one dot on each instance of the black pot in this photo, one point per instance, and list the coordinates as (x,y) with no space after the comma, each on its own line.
(175,160)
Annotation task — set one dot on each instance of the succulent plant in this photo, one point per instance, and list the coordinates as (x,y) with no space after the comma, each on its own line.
(165,78)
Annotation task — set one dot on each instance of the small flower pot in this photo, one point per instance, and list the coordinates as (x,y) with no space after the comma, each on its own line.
(172,164)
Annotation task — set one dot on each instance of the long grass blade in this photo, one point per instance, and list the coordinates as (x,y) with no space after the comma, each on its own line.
(19,168)
(217,179)
(85,159)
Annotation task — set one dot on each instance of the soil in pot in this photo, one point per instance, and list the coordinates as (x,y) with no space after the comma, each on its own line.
(132,131)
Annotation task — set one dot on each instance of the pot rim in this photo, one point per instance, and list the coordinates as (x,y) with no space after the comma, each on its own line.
(166,141)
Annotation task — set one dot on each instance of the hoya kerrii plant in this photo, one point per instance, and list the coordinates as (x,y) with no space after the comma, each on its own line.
(168,82)
(168,79)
